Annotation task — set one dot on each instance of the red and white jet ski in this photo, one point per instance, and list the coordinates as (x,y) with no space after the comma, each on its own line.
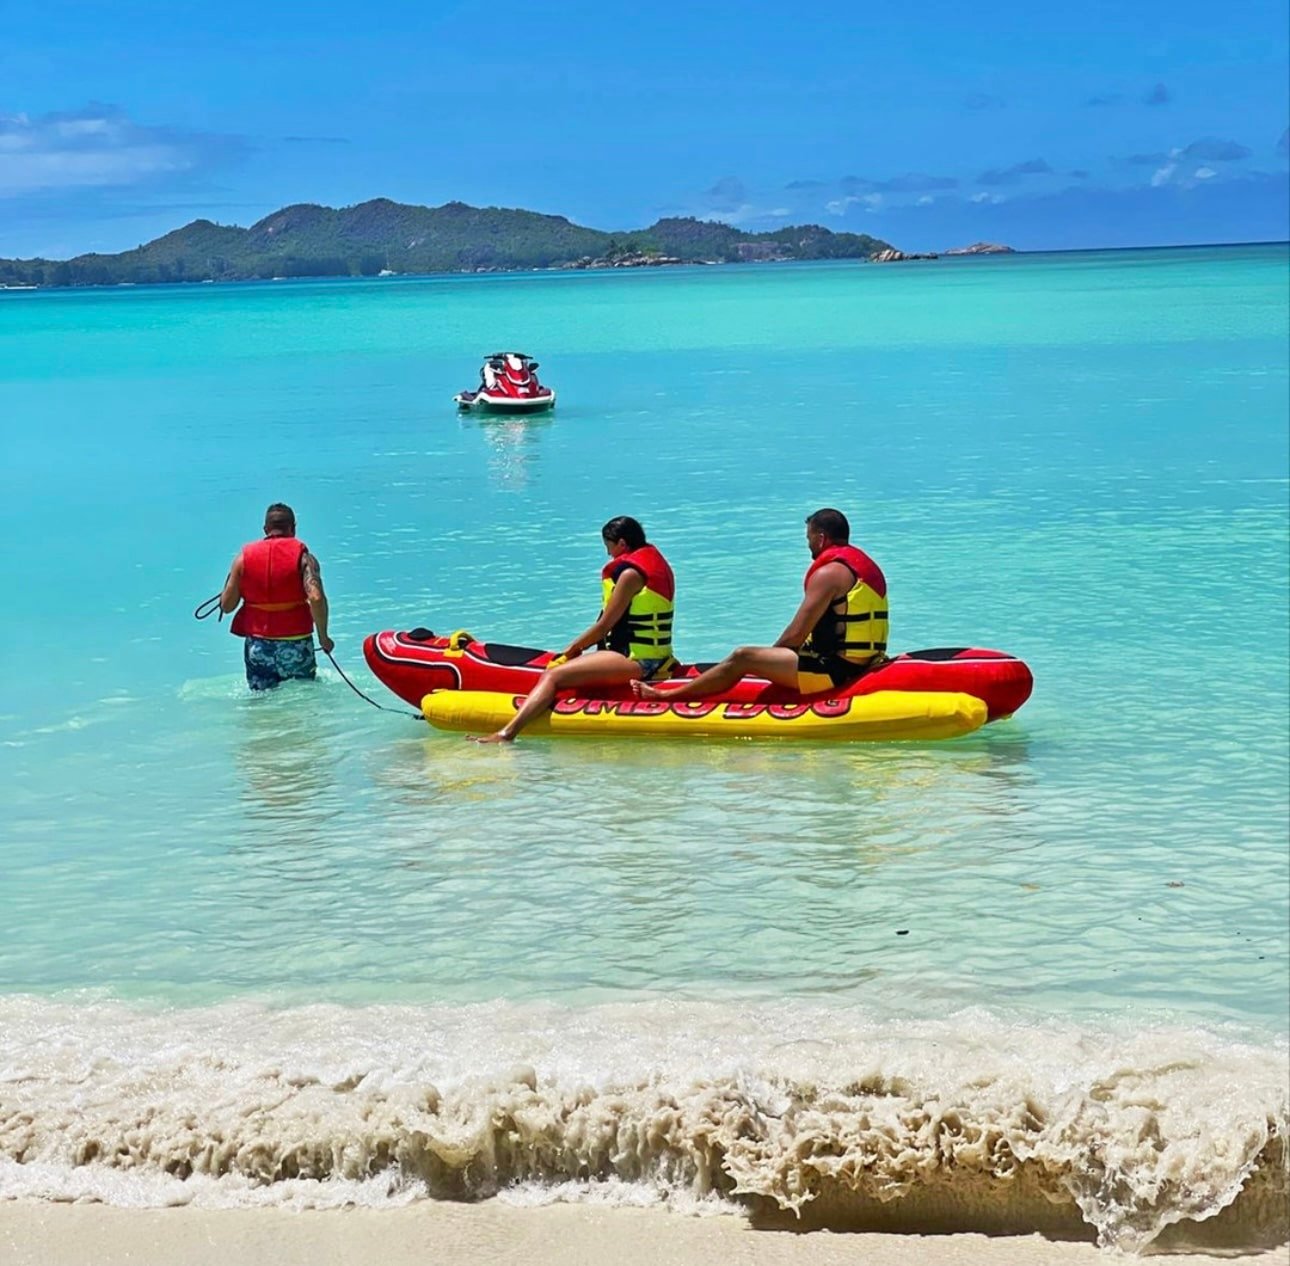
(508,383)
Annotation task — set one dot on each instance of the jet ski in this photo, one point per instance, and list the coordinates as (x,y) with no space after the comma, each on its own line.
(508,383)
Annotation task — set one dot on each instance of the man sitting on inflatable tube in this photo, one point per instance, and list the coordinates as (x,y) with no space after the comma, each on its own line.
(634,631)
(839,631)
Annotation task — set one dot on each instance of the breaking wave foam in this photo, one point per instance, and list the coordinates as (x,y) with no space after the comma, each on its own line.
(787,1111)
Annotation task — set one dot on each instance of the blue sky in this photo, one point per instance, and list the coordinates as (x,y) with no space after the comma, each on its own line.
(929,125)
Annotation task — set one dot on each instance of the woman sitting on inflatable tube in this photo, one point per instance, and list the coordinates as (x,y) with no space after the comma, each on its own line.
(634,631)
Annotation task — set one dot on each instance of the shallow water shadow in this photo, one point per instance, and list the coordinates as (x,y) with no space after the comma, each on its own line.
(284,759)
(995,1208)
(1252,1225)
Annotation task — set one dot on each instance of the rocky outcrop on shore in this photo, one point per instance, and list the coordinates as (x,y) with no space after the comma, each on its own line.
(892,256)
(631,259)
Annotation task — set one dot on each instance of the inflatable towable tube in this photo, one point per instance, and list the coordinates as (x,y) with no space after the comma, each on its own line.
(417,663)
(883,716)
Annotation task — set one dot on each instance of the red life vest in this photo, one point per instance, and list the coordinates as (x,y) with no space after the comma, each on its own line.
(854,626)
(650,563)
(273,592)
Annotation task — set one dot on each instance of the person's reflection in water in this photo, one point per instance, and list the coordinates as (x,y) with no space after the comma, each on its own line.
(427,775)
(288,791)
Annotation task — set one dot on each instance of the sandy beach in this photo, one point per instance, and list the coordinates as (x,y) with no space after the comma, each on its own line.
(39,1234)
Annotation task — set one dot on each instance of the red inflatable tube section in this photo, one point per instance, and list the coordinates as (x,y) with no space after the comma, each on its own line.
(413,664)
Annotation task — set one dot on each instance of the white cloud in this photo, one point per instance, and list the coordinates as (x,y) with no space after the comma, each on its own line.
(1177,173)
(745,213)
(988,199)
(97,147)
(73,128)
(925,201)
(840,206)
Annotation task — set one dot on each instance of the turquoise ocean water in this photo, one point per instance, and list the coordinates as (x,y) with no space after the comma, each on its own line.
(290,949)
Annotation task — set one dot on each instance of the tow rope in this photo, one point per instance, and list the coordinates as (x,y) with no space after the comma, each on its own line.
(208,608)
(400,711)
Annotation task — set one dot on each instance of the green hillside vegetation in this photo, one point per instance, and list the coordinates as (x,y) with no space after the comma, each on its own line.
(378,236)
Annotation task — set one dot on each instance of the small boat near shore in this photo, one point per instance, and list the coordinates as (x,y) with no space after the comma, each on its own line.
(508,383)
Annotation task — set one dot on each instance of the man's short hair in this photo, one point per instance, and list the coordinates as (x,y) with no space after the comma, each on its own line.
(625,529)
(832,523)
(279,518)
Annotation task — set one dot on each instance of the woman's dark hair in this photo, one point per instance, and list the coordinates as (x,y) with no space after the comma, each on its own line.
(625,529)
(833,523)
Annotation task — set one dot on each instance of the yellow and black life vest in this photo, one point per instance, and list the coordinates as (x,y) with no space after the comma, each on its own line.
(853,628)
(645,632)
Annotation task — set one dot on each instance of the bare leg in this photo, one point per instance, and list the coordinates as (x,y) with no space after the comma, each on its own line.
(775,663)
(600,668)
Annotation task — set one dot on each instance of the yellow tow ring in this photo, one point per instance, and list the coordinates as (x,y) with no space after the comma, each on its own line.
(457,643)
(458,640)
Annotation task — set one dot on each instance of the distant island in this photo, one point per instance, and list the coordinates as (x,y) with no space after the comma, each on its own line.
(381,238)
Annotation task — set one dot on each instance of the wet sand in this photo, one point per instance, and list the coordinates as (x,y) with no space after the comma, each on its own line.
(42,1234)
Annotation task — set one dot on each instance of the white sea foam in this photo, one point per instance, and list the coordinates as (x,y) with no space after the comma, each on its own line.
(72,723)
(204,689)
(969,1122)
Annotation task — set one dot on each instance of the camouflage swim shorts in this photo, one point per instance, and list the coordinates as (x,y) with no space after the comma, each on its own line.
(271,661)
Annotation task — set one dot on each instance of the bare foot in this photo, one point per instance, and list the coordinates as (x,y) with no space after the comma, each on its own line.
(642,690)
(500,737)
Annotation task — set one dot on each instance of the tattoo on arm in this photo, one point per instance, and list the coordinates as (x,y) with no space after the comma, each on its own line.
(310,573)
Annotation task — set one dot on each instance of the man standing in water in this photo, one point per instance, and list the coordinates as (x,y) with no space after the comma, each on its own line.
(278,583)
(840,628)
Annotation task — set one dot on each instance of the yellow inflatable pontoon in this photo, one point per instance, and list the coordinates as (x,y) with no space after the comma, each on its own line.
(884,716)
